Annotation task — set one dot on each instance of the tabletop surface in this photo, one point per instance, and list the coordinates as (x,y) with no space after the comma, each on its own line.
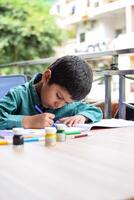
(99,167)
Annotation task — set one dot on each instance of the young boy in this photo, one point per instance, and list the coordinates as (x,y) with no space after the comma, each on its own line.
(56,94)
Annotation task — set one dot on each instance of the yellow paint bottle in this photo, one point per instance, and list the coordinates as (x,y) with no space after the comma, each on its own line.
(50,136)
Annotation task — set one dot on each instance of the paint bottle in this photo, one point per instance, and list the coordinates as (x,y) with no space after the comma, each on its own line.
(61,135)
(50,136)
(18,136)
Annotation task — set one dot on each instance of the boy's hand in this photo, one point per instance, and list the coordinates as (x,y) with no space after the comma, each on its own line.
(38,121)
(73,120)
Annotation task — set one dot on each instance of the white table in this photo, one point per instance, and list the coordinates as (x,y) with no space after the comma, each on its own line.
(98,167)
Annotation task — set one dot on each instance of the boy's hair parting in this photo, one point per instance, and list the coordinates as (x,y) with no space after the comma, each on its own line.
(73,74)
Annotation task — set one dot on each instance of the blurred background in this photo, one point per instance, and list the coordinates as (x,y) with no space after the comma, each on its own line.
(33,29)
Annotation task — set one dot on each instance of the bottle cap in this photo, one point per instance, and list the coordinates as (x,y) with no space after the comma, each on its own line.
(18,140)
(18,131)
(50,130)
(61,126)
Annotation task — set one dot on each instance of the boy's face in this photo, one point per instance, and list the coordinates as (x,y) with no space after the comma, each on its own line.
(54,96)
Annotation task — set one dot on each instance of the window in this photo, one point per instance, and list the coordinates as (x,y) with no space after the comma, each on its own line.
(118,32)
(73,10)
(82,37)
(58,8)
(88,3)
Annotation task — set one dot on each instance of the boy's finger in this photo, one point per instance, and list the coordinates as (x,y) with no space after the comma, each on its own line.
(71,122)
(76,121)
(50,121)
(50,115)
(63,119)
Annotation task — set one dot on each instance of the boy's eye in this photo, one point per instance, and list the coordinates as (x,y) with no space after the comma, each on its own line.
(58,96)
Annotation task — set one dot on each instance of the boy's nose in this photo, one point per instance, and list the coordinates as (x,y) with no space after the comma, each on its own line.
(58,104)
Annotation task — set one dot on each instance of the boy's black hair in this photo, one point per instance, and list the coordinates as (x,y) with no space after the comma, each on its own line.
(73,74)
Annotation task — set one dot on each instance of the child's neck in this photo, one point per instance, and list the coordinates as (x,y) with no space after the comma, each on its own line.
(38,87)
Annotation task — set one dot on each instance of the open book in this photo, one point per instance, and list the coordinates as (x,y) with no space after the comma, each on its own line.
(104,123)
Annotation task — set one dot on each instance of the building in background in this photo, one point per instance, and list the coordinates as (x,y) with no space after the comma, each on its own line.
(99,25)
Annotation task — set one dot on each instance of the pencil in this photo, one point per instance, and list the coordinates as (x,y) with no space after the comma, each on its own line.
(34,139)
(4,142)
(72,132)
(79,136)
(38,109)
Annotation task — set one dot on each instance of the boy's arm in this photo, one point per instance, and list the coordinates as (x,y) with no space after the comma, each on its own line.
(8,107)
(91,113)
(10,117)
(14,113)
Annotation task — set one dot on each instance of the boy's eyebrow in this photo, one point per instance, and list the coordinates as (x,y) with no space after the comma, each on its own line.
(66,101)
(64,98)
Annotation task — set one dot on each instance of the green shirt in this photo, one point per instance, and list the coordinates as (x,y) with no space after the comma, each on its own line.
(21,101)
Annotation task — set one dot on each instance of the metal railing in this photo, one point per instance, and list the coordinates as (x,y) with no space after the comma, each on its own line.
(107,74)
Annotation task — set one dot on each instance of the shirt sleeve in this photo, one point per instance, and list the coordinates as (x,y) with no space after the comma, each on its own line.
(8,111)
(92,113)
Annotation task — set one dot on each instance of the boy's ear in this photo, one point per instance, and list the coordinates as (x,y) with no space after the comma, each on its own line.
(46,76)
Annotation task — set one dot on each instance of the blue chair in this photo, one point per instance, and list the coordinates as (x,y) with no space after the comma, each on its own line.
(8,82)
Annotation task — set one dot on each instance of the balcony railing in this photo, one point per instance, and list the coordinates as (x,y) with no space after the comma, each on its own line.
(106,74)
